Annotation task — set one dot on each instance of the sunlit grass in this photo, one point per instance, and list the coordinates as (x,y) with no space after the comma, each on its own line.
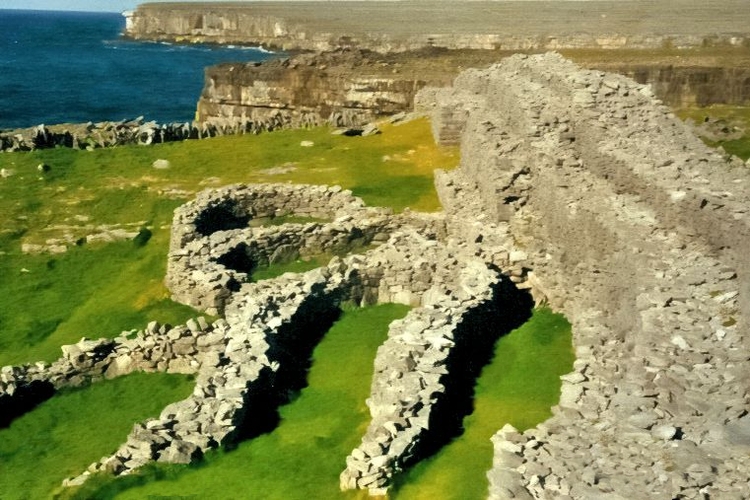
(733,117)
(98,289)
(303,457)
(519,387)
(64,435)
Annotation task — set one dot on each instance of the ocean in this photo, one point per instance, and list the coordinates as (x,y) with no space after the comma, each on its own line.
(61,67)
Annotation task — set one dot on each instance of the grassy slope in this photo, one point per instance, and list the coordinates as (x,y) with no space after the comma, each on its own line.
(303,457)
(101,289)
(732,116)
(519,387)
(76,428)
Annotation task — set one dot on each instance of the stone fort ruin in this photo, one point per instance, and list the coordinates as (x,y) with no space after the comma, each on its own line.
(574,184)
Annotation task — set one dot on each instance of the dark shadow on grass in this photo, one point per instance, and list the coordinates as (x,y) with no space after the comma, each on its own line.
(25,398)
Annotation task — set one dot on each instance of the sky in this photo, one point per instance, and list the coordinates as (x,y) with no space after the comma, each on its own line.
(79,5)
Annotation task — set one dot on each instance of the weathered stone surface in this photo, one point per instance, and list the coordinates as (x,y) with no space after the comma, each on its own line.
(579,170)
(386,27)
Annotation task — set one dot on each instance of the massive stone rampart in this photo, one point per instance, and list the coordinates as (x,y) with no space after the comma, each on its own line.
(637,232)
(410,25)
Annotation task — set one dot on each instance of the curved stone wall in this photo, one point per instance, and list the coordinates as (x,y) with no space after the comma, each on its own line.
(248,362)
(634,230)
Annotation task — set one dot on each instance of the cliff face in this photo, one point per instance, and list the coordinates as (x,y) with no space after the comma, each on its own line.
(340,89)
(352,87)
(409,25)
(693,86)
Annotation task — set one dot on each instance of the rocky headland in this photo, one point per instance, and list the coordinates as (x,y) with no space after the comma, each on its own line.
(410,25)
(575,184)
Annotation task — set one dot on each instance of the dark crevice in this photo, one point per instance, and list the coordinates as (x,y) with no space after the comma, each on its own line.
(224,216)
(475,339)
(291,347)
(238,259)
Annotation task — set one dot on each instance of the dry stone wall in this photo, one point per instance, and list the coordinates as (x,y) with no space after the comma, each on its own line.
(247,363)
(631,227)
(109,134)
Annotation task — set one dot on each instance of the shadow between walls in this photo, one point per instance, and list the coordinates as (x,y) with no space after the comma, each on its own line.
(475,339)
(291,347)
(24,399)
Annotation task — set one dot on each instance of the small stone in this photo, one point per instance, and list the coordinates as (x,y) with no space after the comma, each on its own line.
(665,432)
(161,164)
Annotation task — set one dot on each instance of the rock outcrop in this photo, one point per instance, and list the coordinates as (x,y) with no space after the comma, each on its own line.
(410,25)
(342,89)
(636,231)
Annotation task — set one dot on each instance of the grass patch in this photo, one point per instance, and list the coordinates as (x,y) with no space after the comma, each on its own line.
(65,434)
(303,457)
(735,119)
(295,266)
(48,301)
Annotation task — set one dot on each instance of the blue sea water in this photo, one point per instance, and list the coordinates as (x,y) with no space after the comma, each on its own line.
(59,67)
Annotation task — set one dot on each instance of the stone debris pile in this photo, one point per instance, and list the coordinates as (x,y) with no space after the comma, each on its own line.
(635,231)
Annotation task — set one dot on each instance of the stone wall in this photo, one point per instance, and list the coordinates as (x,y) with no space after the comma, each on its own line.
(636,231)
(250,361)
(91,136)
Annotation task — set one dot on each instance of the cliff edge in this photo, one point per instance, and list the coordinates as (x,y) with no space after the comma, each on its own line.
(390,26)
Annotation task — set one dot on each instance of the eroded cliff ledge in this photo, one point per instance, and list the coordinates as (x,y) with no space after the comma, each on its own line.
(350,87)
(409,25)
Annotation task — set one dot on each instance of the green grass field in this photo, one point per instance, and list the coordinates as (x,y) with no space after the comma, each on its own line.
(304,456)
(67,433)
(99,289)
(733,117)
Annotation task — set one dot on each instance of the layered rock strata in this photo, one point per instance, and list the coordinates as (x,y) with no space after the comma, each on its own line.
(342,89)
(410,25)
(635,231)
(348,88)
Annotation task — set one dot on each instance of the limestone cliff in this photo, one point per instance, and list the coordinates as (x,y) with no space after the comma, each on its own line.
(351,87)
(408,25)
(343,89)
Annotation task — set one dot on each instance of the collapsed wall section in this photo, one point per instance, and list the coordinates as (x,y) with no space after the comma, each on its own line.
(635,230)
